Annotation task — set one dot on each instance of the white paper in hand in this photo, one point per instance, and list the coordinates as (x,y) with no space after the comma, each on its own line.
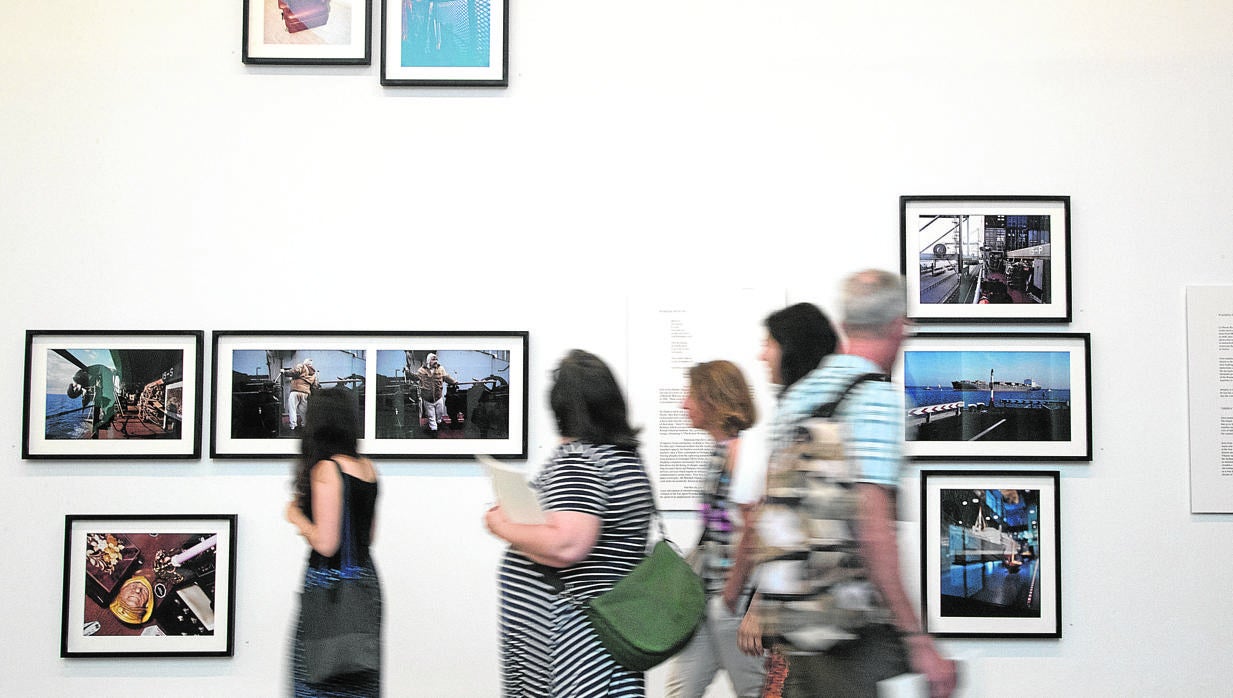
(514,493)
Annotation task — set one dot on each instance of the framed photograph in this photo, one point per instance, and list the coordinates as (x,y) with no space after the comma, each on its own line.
(419,395)
(447,43)
(990,397)
(118,394)
(990,554)
(307,32)
(157,585)
(986,258)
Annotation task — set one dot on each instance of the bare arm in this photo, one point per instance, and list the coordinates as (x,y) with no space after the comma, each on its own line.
(566,538)
(880,548)
(324,532)
(742,561)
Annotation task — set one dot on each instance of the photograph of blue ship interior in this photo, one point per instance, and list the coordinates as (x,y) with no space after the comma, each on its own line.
(984,259)
(446,33)
(990,553)
(114,394)
(476,400)
(987,395)
(263,382)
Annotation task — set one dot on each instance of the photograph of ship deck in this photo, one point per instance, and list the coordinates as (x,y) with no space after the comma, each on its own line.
(984,259)
(476,403)
(262,381)
(114,394)
(990,548)
(946,402)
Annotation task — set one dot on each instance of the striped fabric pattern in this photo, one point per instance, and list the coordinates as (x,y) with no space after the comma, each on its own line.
(814,588)
(875,443)
(547,646)
(717,526)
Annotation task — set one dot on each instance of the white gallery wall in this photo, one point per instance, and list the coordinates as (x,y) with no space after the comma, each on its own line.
(150,180)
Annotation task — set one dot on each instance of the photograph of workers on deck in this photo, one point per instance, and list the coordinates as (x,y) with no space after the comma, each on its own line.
(984,259)
(271,388)
(443,394)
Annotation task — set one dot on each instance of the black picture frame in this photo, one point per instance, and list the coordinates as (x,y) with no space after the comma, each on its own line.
(991,563)
(149,585)
(986,259)
(462,43)
(486,410)
(307,32)
(112,394)
(1022,396)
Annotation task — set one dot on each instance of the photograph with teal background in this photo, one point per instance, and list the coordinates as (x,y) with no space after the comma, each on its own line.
(446,33)
(989,395)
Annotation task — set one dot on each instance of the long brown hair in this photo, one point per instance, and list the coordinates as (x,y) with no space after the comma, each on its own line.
(722,393)
(332,428)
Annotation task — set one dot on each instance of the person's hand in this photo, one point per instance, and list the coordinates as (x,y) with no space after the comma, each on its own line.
(938,670)
(295,517)
(494,518)
(749,635)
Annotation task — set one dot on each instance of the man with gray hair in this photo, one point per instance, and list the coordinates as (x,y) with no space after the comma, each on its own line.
(852,389)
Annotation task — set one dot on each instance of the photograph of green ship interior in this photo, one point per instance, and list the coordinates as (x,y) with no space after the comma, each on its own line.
(114,393)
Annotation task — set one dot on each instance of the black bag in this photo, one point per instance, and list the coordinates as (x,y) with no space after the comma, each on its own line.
(341,618)
(342,628)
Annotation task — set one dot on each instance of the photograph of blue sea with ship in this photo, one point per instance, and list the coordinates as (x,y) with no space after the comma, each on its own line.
(987,395)
(262,381)
(114,394)
(476,404)
(985,259)
(990,553)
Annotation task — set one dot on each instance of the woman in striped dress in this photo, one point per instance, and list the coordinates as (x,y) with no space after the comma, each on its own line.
(598,505)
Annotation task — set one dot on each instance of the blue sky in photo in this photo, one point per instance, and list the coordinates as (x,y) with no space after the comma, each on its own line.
(60,371)
(1050,369)
(462,364)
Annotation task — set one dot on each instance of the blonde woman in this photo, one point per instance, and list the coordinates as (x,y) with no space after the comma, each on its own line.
(719,402)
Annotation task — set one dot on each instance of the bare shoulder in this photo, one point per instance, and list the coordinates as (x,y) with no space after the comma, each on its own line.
(361,468)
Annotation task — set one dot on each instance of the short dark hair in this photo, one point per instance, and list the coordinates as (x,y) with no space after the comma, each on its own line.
(588,404)
(331,428)
(805,336)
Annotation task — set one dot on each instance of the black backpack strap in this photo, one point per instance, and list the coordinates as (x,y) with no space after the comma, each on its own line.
(828,410)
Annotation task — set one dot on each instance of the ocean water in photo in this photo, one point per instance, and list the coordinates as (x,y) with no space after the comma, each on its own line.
(65,418)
